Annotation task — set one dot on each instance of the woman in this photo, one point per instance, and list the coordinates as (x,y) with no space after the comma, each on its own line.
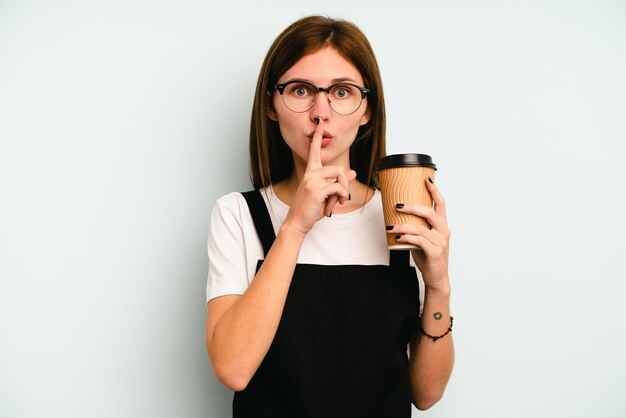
(320,327)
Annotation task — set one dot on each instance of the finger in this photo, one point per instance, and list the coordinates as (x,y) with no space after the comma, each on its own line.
(334,192)
(419,230)
(337,174)
(429,214)
(315,150)
(338,177)
(343,180)
(330,204)
(440,202)
(330,201)
(418,240)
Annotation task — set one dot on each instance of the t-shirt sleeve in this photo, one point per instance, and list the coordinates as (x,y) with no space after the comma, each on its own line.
(226,250)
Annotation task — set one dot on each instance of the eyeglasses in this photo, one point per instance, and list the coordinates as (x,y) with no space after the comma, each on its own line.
(300,96)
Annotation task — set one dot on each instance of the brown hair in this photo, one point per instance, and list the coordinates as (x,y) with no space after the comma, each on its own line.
(271,160)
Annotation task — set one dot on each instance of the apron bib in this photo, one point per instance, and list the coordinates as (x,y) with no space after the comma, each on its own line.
(340,349)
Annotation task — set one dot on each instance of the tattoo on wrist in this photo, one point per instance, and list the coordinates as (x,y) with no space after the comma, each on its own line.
(437,316)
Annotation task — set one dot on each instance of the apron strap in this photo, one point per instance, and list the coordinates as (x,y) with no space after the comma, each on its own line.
(265,229)
(399,258)
(261,219)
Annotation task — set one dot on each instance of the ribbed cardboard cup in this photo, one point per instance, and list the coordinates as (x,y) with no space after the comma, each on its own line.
(402,180)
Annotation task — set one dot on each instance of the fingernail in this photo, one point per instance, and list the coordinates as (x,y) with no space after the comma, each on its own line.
(399,205)
(398,236)
(430,180)
(389,227)
(349,196)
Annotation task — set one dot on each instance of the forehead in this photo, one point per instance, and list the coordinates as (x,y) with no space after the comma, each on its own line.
(323,67)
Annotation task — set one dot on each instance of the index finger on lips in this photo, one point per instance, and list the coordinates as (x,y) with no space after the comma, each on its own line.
(315,150)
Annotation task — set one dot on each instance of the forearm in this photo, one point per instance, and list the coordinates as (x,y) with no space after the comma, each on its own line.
(244,333)
(431,361)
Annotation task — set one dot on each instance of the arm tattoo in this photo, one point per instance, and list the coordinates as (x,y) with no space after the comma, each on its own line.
(437,316)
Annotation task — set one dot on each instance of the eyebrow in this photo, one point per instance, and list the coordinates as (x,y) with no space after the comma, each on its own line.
(333,81)
(339,80)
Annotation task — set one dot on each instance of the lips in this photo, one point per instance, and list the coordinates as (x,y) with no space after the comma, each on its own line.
(325,141)
(326,137)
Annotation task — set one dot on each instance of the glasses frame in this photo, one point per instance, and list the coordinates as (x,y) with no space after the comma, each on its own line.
(281,89)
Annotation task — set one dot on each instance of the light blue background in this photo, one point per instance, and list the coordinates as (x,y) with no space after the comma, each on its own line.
(121,122)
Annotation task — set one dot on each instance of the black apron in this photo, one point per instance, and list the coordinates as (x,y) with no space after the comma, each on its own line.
(340,349)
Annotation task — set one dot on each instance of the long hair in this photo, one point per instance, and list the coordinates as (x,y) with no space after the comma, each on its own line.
(271,160)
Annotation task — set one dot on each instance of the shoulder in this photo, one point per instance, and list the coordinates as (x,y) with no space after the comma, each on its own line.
(231,211)
(230,201)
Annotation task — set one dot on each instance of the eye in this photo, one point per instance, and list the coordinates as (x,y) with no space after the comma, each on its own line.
(300,90)
(343,91)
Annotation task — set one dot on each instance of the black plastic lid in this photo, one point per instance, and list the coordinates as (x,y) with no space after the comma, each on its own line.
(407,160)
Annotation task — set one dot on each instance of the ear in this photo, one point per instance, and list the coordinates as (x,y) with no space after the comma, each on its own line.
(271,113)
(366,117)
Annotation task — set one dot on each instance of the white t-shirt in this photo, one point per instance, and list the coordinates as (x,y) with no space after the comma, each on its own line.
(234,248)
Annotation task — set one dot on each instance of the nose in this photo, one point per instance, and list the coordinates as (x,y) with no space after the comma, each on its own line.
(321,108)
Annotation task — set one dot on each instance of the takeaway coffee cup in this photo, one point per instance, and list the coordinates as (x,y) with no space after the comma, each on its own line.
(402,180)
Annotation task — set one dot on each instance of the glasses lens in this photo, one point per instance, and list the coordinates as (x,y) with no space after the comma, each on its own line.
(345,98)
(299,97)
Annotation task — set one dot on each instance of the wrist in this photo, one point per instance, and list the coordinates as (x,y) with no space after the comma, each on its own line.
(441,289)
(287,229)
(434,338)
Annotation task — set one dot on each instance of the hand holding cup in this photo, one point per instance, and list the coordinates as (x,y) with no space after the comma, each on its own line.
(415,214)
